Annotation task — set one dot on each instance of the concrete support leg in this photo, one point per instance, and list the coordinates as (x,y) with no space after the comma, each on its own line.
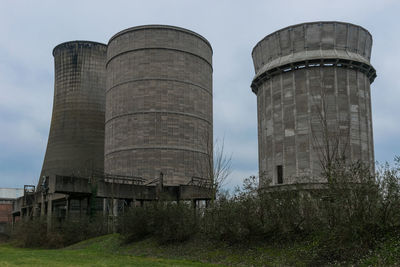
(49,212)
(88,211)
(194,205)
(81,207)
(35,210)
(104,206)
(43,207)
(38,210)
(115,207)
(67,205)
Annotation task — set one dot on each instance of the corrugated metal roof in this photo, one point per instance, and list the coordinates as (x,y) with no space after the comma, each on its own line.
(11,193)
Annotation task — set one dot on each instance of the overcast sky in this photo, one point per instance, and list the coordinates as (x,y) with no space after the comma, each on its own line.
(29,30)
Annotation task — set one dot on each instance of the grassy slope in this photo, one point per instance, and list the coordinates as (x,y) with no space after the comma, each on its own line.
(299,253)
(203,251)
(218,253)
(101,251)
(109,251)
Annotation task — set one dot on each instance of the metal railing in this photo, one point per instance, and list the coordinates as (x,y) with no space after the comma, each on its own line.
(200,182)
(118,179)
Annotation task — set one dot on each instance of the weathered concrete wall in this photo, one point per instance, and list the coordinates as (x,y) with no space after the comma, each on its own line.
(158,104)
(76,139)
(313,88)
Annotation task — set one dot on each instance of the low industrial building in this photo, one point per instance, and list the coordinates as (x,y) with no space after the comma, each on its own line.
(8,197)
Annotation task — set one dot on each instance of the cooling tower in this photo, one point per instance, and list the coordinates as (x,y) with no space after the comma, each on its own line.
(313,100)
(76,140)
(159,104)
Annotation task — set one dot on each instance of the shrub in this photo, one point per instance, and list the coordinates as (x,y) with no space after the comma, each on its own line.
(167,221)
(30,233)
(225,222)
(174,222)
(33,232)
(346,217)
(135,224)
(76,229)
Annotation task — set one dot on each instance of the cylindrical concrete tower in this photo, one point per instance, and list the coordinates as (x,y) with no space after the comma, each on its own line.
(159,104)
(313,100)
(76,140)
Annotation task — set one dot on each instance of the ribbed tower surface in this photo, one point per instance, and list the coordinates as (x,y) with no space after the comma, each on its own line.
(159,104)
(76,139)
(313,99)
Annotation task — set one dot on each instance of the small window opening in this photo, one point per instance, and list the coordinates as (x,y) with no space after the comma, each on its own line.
(279,172)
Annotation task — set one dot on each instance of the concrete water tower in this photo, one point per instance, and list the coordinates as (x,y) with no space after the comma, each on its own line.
(313,100)
(159,104)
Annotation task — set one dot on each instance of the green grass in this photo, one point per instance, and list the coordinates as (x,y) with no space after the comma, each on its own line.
(256,254)
(387,254)
(103,251)
(109,250)
(287,253)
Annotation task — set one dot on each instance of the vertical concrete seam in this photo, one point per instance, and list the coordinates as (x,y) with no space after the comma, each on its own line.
(283,128)
(295,125)
(349,113)
(337,109)
(274,181)
(310,138)
(359,112)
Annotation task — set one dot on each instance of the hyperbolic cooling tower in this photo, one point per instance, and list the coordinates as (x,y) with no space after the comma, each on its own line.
(76,139)
(159,104)
(313,99)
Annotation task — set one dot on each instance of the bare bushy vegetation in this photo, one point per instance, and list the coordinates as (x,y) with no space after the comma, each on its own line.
(30,233)
(34,233)
(343,219)
(168,222)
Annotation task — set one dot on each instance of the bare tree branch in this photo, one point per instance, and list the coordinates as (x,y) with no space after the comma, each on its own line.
(216,168)
(329,142)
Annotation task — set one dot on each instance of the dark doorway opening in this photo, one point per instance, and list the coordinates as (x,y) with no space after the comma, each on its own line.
(279,172)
